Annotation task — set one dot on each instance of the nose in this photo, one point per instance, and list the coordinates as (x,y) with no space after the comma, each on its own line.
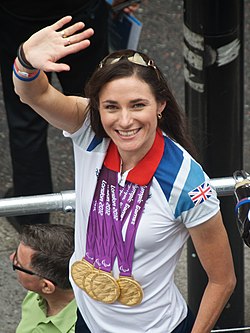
(125,118)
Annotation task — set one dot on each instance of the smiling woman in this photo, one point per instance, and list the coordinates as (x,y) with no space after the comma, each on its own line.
(128,112)
(135,208)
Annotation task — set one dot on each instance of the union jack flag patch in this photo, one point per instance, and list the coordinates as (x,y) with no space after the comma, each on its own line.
(200,193)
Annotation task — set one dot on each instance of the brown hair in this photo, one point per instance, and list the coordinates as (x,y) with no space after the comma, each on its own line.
(53,245)
(118,65)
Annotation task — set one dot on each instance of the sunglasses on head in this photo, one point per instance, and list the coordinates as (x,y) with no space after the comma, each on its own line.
(25,270)
(133,57)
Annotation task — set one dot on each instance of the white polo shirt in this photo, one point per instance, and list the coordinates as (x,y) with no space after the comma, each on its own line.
(180,197)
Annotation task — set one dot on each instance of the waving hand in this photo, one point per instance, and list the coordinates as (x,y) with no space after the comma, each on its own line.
(47,46)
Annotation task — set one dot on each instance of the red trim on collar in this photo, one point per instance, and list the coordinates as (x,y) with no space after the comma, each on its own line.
(143,172)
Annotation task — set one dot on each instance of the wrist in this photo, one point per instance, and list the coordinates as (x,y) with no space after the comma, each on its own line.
(22,58)
(24,74)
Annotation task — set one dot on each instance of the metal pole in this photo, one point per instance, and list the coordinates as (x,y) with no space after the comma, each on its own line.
(213,68)
(38,204)
(65,200)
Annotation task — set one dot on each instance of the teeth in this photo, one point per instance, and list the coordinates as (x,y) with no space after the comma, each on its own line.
(127,133)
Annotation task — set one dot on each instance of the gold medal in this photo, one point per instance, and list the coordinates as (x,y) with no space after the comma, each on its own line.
(131,292)
(79,269)
(102,286)
(87,283)
(105,287)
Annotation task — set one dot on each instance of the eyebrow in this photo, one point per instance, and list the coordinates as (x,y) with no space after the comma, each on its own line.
(136,100)
(109,101)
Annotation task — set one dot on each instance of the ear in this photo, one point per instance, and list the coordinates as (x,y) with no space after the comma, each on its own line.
(48,287)
(161,107)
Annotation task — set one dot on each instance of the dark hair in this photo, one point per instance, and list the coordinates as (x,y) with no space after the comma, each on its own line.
(173,122)
(53,245)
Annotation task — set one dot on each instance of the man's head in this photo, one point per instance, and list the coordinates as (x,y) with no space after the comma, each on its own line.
(42,257)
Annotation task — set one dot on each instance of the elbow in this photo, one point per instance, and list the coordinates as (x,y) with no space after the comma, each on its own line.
(231,284)
(225,285)
(234,282)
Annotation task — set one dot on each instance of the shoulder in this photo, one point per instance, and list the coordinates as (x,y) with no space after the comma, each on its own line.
(86,139)
(65,320)
(35,304)
(177,169)
(185,184)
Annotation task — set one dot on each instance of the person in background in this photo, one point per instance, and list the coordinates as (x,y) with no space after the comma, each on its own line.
(139,191)
(41,262)
(30,160)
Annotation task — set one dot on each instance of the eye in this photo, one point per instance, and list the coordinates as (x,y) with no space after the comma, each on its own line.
(138,106)
(110,107)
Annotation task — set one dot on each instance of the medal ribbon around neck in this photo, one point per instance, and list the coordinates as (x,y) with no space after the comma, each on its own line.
(104,239)
(104,244)
(132,204)
(81,268)
(99,283)
(131,293)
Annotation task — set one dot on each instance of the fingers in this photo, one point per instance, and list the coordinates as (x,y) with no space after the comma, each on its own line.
(60,23)
(69,35)
(69,31)
(72,29)
(74,48)
(76,38)
(55,67)
(51,66)
(52,43)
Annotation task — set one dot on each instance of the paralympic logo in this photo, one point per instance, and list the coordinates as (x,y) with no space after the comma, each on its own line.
(105,264)
(122,269)
(88,256)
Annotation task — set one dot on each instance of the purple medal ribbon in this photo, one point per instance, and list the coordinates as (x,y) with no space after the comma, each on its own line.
(100,245)
(96,232)
(91,231)
(133,204)
(110,209)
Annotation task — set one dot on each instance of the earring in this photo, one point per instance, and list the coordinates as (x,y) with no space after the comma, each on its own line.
(159,115)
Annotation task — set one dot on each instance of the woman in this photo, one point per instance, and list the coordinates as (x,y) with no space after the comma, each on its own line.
(138,187)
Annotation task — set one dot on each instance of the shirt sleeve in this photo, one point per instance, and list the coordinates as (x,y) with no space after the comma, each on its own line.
(188,189)
(198,200)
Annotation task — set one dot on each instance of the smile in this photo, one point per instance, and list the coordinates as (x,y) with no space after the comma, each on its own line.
(128,133)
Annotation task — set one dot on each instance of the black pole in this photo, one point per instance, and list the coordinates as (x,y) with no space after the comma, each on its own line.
(213,68)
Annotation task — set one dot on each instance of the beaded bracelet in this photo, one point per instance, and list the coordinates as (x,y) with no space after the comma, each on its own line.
(24,76)
(22,59)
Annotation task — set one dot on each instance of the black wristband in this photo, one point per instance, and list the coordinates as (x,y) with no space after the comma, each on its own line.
(21,57)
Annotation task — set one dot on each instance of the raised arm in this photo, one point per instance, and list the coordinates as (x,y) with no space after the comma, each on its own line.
(42,52)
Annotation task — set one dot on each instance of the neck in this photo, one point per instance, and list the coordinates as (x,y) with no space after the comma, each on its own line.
(129,159)
(58,301)
(128,164)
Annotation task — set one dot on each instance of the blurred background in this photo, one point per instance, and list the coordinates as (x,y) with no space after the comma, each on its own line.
(162,39)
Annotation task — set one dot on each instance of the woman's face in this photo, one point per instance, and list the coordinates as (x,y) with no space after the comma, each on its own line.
(128,111)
